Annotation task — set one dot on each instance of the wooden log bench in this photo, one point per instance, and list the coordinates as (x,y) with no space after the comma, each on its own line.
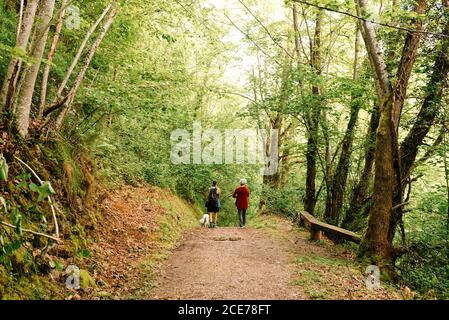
(317,228)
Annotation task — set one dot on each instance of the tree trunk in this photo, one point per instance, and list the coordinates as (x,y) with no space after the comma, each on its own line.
(312,120)
(25,94)
(425,119)
(274,180)
(80,50)
(311,154)
(24,32)
(286,157)
(406,63)
(334,201)
(360,193)
(51,54)
(377,242)
(327,165)
(277,122)
(376,238)
(429,108)
(359,203)
(19,24)
(296,31)
(82,73)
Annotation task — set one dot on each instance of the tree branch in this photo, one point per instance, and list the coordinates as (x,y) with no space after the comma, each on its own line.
(266,29)
(50,199)
(31,231)
(399,206)
(249,38)
(372,21)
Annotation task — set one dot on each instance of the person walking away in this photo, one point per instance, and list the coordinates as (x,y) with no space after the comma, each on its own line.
(213,203)
(241,194)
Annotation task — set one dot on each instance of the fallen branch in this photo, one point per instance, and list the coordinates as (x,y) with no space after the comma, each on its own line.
(31,231)
(50,199)
(399,206)
(55,106)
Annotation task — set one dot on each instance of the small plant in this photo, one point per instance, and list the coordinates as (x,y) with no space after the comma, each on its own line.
(3,168)
(43,190)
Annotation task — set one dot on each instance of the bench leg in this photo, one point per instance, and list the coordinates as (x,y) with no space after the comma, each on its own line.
(301,222)
(316,235)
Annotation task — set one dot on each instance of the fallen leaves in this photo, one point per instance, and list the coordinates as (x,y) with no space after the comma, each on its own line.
(129,215)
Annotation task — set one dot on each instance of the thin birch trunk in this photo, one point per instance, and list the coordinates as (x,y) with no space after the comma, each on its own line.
(23,36)
(80,51)
(296,30)
(25,94)
(19,25)
(51,54)
(84,68)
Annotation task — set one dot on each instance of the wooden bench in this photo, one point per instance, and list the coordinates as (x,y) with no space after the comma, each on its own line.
(317,227)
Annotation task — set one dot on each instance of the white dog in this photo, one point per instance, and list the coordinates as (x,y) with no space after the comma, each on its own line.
(205,221)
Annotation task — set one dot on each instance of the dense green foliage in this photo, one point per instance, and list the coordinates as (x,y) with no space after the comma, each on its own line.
(165,65)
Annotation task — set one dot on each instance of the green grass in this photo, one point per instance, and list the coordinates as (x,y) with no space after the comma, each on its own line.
(306,277)
(32,288)
(317,294)
(263,221)
(321,260)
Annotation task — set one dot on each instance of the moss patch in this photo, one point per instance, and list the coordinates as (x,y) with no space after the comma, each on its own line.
(32,288)
(86,280)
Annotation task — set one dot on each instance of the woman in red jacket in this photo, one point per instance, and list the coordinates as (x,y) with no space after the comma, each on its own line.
(241,194)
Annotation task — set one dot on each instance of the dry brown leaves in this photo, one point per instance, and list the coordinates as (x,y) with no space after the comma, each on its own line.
(129,217)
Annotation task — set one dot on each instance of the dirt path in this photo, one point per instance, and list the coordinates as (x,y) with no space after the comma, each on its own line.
(145,251)
(228,263)
(273,261)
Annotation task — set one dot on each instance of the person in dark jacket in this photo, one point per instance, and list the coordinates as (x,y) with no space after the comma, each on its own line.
(213,203)
(241,194)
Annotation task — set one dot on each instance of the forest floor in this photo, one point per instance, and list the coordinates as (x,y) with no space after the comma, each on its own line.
(270,259)
(254,263)
(227,263)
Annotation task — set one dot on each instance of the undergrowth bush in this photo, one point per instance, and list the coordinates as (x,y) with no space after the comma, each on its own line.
(24,204)
(285,201)
(424,266)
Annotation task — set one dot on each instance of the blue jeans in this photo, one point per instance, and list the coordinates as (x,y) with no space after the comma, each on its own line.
(242,217)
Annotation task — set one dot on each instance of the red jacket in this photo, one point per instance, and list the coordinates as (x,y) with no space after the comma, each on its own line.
(242,194)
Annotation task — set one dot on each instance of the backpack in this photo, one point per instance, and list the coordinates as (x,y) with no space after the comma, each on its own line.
(213,197)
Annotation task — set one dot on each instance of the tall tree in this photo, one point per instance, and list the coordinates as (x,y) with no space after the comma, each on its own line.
(424,121)
(23,35)
(359,198)
(79,79)
(60,101)
(376,242)
(312,120)
(26,90)
(334,201)
(50,56)
(81,48)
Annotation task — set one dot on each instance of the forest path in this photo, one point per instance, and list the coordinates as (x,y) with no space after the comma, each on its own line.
(276,260)
(228,263)
(150,246)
